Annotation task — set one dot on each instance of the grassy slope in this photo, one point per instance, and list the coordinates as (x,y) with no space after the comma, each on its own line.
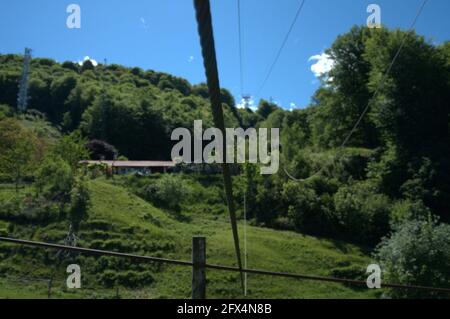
(170,236)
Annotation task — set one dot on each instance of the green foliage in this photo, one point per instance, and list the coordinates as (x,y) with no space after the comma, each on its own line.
(394,169)
(54,178)
(341,101)
(124,222)
(24,208)
(169,191)
(5,111)
(130,279)
(8,84)
(310,212)
(417,253)
(133,109)
(265,108)
(408,210)
(60,90)
(18,150)
(72,149)
(362,213)
(79,203)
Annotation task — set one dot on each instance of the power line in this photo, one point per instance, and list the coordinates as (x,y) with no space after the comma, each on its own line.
(95,251)
(216,267)
(272,66)
(378,89)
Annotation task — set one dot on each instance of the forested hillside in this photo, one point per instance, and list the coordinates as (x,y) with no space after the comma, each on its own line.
(385,187)
(132,109)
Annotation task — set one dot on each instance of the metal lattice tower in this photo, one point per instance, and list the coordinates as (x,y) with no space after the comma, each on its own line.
(22,98)
(247,98)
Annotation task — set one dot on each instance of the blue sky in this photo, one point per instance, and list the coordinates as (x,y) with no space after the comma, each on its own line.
(162,35)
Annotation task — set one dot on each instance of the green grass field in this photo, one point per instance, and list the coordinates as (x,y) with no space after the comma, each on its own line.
(121,221)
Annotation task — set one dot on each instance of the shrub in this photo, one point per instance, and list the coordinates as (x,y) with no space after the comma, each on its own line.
(30,209)
(310,212)
(408,210)
(363,215)
(417,253)
(169,191)
(54,178)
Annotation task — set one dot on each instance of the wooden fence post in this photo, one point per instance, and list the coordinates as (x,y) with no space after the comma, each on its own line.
(49,290)
(198,268)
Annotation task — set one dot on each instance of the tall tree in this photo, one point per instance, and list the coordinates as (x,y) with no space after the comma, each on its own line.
(18,150)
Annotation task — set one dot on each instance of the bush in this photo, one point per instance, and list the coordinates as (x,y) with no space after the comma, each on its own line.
(30,209)
(417,253)
(310,212)
(9,208)
(54,178)
(408,210)
(169,191)
(363,215)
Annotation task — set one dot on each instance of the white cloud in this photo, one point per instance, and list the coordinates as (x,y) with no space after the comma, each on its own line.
(87,58)
(324,64)
(191,59)
(293,106)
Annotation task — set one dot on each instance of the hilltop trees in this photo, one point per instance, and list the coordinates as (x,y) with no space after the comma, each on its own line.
(345,93)
(132,109)
(407,123)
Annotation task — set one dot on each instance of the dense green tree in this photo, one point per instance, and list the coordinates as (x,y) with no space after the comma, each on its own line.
(18,150)
(72,149)
(344,93)
(60,90)
(100,150)
(265,108)
(54,178)
(86,66)
(9,87)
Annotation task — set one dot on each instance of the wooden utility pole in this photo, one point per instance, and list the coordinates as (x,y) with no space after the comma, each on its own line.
(205,30)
